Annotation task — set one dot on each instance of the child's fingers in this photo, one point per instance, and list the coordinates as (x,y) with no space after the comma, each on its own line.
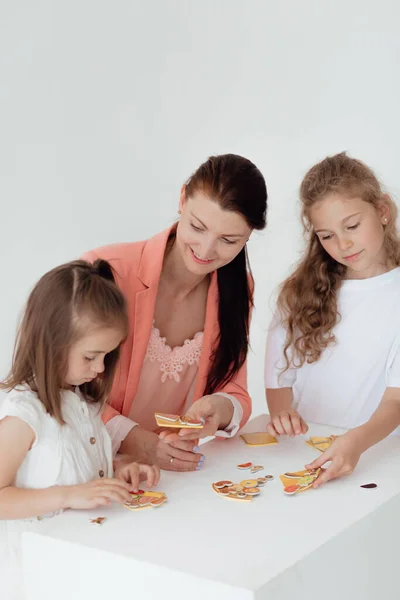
(320,461)
(330,473)
(134,476)
(115,495)
(296,423)
(271,429)
(150,473)
(117,483)
(276,421)
(304,426)
(287,424)
(156,474)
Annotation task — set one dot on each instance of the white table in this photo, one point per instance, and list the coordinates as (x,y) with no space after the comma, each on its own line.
(341,541)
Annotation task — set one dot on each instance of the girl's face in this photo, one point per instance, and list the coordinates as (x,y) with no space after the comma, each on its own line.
(352,233)
(207,236)
(86,356)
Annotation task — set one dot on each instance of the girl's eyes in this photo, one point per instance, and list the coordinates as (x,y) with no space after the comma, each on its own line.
(89,359)
(328,237)
(354,226)
(225,240)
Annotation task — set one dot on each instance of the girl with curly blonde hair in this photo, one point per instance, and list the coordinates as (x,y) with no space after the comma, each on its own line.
(333,350)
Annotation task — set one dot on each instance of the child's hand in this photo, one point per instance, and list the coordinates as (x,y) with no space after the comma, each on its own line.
(287,422)
(344,455)
(133,473)
(99,492)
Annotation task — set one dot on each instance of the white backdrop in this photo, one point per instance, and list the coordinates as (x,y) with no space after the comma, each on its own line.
(106,108)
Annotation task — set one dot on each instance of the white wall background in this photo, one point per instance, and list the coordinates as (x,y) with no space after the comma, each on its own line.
(106,108)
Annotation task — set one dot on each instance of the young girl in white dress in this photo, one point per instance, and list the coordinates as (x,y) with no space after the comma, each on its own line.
(333,349)
(55,452)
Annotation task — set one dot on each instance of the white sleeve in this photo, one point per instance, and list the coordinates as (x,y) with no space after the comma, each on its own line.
(118,428)
(27,407)
(274,374)
(233,427)
(393,370)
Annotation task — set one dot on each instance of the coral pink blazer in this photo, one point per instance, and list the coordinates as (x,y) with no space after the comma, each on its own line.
(137,267)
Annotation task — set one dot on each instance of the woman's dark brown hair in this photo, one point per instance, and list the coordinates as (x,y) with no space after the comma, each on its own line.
(61,307)
(237,185)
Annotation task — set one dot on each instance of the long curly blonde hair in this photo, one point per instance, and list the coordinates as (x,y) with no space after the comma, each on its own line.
(308,298)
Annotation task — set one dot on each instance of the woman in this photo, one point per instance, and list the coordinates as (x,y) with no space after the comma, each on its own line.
(189,298)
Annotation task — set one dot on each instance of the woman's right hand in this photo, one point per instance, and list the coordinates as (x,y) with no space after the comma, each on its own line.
(99,492)
(179,455)
(287,422)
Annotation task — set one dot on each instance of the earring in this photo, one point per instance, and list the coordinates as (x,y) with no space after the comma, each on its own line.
(179,212)
(385,220)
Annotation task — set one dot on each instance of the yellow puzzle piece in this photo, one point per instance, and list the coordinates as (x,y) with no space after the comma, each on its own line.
(321,443)
(261,438)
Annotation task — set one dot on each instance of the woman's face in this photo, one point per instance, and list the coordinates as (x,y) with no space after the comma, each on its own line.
(207,236)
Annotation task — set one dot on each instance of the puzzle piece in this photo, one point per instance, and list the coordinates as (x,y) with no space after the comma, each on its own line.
(256,468)
(233,492)
(98,520)
(244,466)
(143,499)
(177,421)
(261,438)
(321,443)
(299,481)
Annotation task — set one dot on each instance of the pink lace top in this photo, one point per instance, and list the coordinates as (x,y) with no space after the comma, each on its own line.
(167,380)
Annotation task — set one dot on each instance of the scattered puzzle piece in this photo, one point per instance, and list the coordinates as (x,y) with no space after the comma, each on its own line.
(264,480)
(261,438)
(321,443)
(299,481)
(98,520)
(180,422)
(256,468)
(244,466)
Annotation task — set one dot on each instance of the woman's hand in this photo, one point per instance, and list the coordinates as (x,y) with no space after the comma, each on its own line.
(216,412)
(179,455)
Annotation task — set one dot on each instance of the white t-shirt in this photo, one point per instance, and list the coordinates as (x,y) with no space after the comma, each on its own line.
(346,385)
(69,454)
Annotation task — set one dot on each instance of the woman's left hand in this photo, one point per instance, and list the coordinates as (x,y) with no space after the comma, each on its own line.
(216,412)
(343,454)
